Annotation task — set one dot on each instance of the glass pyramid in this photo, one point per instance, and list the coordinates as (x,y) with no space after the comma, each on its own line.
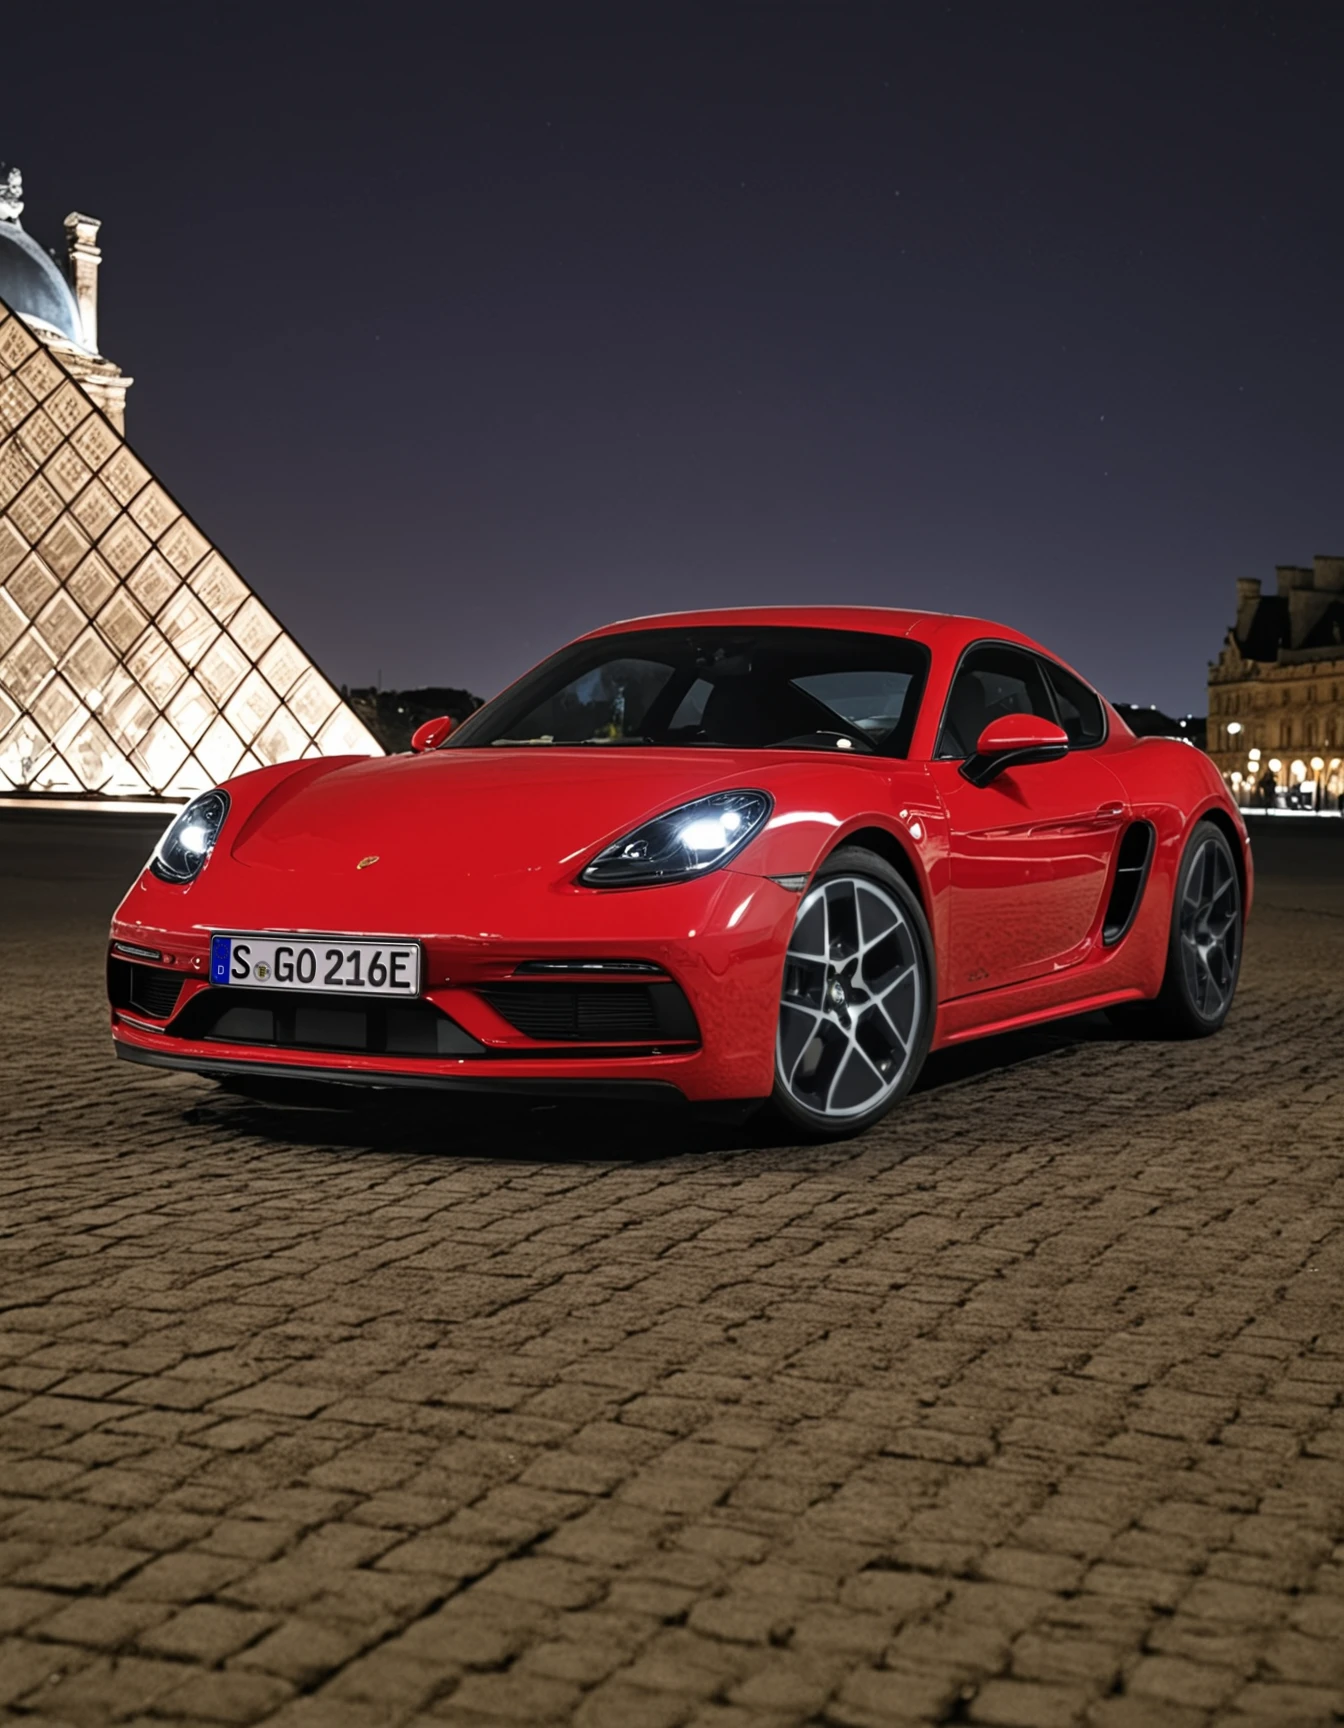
(134,660)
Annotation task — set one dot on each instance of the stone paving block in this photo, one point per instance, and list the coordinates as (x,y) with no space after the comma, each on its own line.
(1020,1409)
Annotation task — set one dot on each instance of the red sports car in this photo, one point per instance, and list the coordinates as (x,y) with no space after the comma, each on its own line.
(743,855)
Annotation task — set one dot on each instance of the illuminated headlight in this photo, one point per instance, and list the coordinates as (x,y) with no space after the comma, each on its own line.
(685,842)
(181,854)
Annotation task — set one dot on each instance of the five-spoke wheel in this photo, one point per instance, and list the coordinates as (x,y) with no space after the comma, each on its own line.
(1203,945)
(856,1006)
(1210,928)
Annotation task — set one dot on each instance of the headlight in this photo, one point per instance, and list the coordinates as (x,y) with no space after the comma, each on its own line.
(181,854)
(685,842)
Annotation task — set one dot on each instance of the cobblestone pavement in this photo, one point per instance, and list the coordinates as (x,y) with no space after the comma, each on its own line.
(1027,1408)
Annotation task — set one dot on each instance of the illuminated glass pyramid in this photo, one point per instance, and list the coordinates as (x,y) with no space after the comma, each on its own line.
(133,659)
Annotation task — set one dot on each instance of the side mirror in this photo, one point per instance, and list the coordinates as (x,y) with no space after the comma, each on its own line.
(432,733)
(1012,741)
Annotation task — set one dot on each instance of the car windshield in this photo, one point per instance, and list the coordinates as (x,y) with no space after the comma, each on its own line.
(722,687)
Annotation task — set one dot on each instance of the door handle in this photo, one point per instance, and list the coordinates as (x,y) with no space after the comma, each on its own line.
(1115,809)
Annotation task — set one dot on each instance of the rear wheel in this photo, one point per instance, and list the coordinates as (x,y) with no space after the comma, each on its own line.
(857,1005)
(1204,947)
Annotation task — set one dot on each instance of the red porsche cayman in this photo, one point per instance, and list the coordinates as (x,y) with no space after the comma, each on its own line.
(744,855)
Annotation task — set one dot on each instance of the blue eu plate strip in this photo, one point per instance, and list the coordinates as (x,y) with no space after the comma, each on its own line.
(220,949)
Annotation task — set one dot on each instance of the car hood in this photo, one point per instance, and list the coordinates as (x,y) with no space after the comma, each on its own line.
(459,814)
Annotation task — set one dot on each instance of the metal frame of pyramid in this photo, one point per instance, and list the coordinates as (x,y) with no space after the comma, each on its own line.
(134,660)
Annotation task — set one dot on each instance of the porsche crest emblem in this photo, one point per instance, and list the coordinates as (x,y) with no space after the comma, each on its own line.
(365,862)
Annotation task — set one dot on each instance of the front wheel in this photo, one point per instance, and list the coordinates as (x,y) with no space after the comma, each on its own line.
(1203,947)
(856,1007)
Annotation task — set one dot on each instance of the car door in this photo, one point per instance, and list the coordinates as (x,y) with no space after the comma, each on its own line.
(1030,853)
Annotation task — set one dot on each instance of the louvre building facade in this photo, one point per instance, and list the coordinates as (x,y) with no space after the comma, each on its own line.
(134,660)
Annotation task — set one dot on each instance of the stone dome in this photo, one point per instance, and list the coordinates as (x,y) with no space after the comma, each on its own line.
(32,283)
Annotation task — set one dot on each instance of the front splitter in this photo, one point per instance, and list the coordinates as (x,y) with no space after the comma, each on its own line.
(627,1091)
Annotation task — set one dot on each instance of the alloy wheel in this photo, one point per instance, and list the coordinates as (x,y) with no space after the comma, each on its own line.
(853,1000)
(1210,930)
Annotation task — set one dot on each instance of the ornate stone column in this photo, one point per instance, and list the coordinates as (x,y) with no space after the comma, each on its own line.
(86,255)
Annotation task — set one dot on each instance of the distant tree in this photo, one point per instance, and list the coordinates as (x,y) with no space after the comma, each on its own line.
(392,715)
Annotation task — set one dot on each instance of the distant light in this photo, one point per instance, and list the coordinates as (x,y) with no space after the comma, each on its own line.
(1275,766)
(1233,727)
(1318,762)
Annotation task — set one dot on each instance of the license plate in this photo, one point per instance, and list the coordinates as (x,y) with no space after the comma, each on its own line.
(329,963)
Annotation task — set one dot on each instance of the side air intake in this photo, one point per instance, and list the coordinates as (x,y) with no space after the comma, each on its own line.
(1131,874)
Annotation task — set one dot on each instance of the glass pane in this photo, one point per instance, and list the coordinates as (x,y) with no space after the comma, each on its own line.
(312,700)
(95,441)
(191,711)
(89,664)
(155,667)
(64,546)
(92,583)
(990,683)
(55,706)
(152,581)
(60,623)
(68,406)
(221,667)
(123,546)
(222,589)
(93,756)
(187,624)
(13,548)
(12,622)
(25,666)
(869,700)
(68,472)
(220,751)
(344,735)
(159,755)
(282,663)
(253,629)
(153,510)
(281,739)
(184,545)
(124,475)
(251,706)
(121,621)
(39,435)
(31,586)
(720,686)
(35,509)
(95,509)
(1080,711)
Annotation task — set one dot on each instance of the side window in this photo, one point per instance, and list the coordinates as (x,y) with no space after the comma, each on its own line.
(691,709)
(991,681)
(1080,710)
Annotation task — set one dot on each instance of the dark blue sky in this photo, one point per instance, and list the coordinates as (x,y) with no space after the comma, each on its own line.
(463,328)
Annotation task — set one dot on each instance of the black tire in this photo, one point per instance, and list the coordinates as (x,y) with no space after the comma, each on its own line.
(1203,947)
(857,1009)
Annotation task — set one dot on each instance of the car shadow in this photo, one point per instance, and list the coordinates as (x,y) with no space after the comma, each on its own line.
(503,1129)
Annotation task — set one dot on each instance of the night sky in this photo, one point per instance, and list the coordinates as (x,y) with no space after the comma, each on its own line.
(464,328)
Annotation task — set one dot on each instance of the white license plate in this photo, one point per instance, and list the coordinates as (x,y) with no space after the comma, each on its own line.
(330,963)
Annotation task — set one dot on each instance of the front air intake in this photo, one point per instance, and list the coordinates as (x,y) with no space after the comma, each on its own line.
(1131,875)
(595,1013)
(150,990)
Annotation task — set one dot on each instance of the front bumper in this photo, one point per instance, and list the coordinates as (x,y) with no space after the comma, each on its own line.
(721,940)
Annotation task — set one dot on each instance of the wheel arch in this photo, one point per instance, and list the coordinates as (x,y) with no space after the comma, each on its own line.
(1228,829)
(891,850)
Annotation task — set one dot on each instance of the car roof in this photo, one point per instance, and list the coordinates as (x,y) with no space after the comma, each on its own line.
(951,630)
